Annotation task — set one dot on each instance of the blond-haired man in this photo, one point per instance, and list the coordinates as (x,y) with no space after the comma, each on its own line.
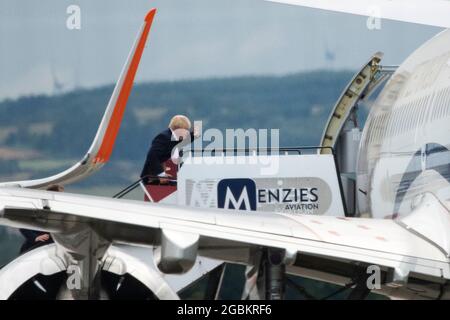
(164,145)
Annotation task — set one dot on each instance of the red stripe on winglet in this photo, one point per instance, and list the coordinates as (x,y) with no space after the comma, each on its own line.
(116,118)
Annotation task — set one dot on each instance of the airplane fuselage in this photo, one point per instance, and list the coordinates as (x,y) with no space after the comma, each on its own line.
(404,150)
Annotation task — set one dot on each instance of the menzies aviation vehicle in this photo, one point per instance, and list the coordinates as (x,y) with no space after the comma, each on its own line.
(360,205)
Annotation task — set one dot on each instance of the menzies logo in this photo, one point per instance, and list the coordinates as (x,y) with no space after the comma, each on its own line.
(236,194)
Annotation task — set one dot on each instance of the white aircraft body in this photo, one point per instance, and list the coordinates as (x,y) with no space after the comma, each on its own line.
(403,188)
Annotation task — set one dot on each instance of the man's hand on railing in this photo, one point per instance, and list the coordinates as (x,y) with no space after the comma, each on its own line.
(165,179)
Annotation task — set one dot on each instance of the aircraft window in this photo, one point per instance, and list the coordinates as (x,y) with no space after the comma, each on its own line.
(414,115)
(420,116)
(389,120)
(423,111)
(417,114)
(390,129)
(409,110)
(370,130)
(440,104)
(386,123)
(446,105)
(377,128)
(437,106)
(398,121)
(384,126)
(421,106)
(443,103)
(374,130)
(409,115)
(406,117)
(429,101)
(380,128)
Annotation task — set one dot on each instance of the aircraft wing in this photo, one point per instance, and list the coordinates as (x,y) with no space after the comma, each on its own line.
(317,241)
(103,143)
(430,12)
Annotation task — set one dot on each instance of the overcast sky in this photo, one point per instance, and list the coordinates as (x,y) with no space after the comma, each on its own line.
(189,39)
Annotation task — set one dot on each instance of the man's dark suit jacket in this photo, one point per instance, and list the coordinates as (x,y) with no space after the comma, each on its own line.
(159,152)
(30,239)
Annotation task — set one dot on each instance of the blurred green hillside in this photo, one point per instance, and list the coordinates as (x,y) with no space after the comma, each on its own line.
(41,135)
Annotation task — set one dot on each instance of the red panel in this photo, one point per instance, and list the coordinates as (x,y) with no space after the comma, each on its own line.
(171,168)
(159,192)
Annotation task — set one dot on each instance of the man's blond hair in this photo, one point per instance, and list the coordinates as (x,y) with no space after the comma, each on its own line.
(180,122)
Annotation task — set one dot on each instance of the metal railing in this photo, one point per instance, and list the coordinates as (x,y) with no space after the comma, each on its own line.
(140,183)
(256,150)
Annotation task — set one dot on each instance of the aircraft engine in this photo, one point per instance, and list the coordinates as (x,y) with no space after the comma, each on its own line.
(42,274)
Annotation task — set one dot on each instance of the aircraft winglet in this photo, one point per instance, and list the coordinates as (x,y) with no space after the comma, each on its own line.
(117,104)
(150,15)
(102,146)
